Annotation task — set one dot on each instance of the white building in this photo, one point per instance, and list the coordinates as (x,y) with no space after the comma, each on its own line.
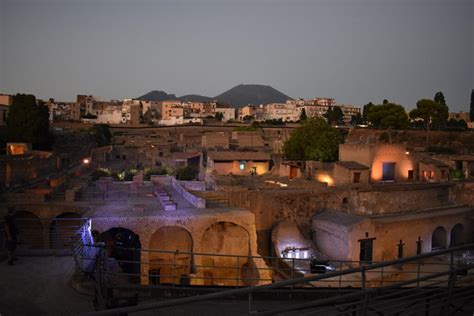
(228,113)
(284,111)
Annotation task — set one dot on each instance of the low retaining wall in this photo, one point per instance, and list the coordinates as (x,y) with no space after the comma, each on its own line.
(194,200)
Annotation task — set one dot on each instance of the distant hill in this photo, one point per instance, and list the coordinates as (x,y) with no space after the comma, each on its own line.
(255,94)
(195,98)
(156,95)
(238,96)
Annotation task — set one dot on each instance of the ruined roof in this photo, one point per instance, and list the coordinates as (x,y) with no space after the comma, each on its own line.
(433,162)
(352,165)
(338,217)
(238,155)
(185,155)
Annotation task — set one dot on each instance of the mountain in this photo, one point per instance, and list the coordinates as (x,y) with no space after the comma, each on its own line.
(238,96)
(156,95)
(195,98)
(255,94)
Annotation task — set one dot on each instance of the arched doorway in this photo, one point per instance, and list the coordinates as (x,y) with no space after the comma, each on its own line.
(173,267)
(457,235)
(62,230)
(30,229)
(229,239)
(123,250)
(438,238)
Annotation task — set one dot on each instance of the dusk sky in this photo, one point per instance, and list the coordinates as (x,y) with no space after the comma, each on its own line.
(355,51)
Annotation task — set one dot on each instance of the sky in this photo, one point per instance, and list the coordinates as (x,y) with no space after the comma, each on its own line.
(355,51)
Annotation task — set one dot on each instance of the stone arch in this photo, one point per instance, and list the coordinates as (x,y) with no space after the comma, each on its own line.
(30,229)
(227,238)
(63,228)
(123,245)
(175,266)
(439,238)
(457,235)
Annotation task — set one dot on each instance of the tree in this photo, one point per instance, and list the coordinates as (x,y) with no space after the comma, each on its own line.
(101,133)
(366,110)
(186,173)
(356,119)
(472,106)
(432,113)
(439,98)
(334,115)
(219,116)
(313,140)
(303,115)
(247,118)
(28,121)
(389,115)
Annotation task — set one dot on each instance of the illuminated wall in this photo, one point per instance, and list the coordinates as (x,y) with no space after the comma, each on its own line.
(391,153)
(244,168)
(375,155)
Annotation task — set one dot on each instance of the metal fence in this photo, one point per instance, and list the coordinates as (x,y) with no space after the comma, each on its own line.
(45,235)
(435,280)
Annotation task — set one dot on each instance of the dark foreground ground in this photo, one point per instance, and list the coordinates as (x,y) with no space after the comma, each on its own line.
(42,286)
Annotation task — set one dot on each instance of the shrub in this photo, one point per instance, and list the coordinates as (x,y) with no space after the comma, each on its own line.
(186,173)
(155,172)
(100,172)
(456,174)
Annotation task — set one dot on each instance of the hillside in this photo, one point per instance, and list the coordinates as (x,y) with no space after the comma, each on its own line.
(195,98)
(156,95)
(238,96)
(255,94)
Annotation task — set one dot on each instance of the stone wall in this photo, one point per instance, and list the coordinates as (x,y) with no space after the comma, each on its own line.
(197,226)
(462,193)
(191,198)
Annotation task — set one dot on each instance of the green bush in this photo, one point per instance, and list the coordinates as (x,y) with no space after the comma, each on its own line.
(456,174)
(245,129)
(155,172)
(186,173)
(100,172)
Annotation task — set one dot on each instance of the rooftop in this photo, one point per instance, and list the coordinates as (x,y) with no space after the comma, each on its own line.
(352,165)
(238,155)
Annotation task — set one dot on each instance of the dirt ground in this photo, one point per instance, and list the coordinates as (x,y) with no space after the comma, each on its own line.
(40,286)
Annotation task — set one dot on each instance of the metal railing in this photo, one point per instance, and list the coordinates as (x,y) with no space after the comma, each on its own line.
(437,274)
(46,235)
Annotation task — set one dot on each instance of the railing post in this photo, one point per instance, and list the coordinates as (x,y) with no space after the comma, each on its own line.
(340,275)
(174,267)
(451,283)
(365,298)
(250,302)
(381,277)
(237,272)
(362,277)
(418,272)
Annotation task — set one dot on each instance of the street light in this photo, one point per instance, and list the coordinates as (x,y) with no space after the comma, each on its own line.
(86,161)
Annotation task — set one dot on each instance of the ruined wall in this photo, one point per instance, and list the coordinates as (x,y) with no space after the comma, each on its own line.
(197,226)
(462,193)
(400,199)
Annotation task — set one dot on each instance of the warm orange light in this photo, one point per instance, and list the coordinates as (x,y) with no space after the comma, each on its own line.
(86,161)
(391,154)
(325,178)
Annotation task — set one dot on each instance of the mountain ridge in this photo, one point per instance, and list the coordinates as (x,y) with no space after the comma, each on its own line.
(237,96)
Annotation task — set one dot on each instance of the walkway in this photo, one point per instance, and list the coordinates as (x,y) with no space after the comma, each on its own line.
(40,286)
